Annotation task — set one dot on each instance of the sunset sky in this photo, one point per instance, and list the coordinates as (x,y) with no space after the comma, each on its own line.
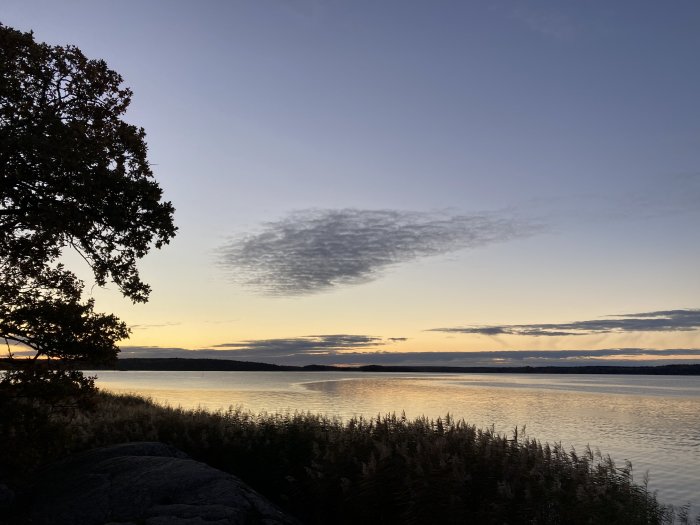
(433,182)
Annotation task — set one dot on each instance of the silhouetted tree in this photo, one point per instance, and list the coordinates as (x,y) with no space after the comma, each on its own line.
(73,175)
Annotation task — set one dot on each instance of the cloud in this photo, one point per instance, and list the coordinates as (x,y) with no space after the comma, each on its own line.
(612,356)
(153,325)
(307,345)
(314,250)
(306,355)
(659,321)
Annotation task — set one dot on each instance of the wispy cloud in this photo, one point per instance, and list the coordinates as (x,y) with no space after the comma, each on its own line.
(153,325)
(308,345)
(314,250)
(300,354)
(610,356)
(659,321)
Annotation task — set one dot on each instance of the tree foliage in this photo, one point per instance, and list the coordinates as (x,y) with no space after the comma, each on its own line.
(73,175)
(46,313)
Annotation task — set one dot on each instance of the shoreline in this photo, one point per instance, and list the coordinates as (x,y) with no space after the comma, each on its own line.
(222,365)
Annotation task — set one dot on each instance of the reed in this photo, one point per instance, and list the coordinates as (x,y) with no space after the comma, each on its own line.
(385,469)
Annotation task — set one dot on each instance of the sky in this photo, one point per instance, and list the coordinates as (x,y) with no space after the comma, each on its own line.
(410,182)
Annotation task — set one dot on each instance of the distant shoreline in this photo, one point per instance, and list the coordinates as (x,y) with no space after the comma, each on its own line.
(212,365)
(183,364)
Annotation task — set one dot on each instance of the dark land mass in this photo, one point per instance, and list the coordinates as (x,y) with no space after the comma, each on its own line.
(686,370)
(227,365)
(205,365)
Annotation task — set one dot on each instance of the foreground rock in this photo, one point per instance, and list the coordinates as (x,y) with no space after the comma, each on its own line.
(145,483)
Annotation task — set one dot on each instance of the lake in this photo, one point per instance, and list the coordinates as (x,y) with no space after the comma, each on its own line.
(652,421)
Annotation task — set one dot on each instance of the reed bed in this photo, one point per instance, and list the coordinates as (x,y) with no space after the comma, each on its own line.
(385,469)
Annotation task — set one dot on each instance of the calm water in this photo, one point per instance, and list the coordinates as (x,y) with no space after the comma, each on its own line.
(652,421)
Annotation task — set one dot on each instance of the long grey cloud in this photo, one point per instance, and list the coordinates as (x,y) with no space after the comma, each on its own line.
(314,250)
(308,345)
(658,321)
(306,355)
(312,346)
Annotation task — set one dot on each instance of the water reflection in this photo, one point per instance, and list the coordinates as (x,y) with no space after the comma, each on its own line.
(652,421)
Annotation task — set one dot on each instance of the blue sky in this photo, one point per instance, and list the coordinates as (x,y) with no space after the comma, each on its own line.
(377,170)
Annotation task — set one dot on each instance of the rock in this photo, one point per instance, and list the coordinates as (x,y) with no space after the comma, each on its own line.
(145,483)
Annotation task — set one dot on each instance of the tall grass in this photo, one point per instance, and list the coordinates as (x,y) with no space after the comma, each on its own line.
(385,469)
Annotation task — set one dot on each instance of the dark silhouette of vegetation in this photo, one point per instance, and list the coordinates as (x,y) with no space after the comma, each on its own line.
(73,175)
(201,364)
(382,470)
